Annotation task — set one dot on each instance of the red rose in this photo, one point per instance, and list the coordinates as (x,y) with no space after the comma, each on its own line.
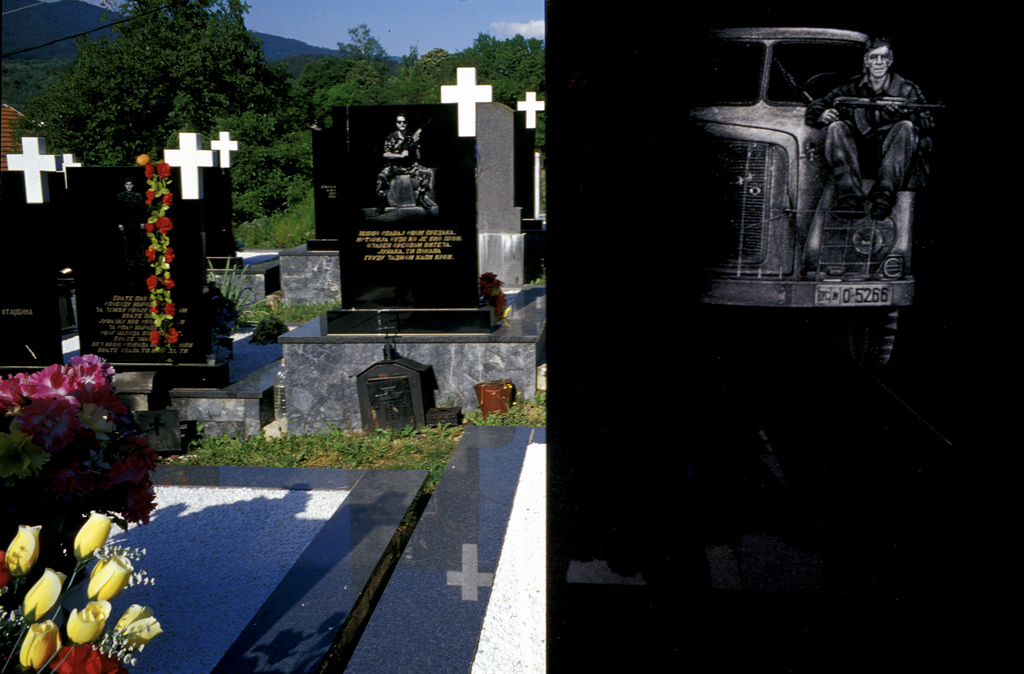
(169,308)
(152,282)
(168,199)
(149,197)
(164,224)
(150,228)
(149,171)
(168,283)
(163,169)
(154,309)
(154,337)
(151,254)
(169,255)
(172,336)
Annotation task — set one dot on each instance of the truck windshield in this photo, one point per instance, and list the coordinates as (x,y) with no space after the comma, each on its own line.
(804,71)
(729,72)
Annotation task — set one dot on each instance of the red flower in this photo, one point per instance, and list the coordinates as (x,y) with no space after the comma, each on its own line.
(169,308)
(150,228)
(169,255)
(164,224)
(163,169)
(71,481)
(152,282)
(149,197)
(151,255)
(172,336)
(168,283)
(168,199)
(154,309)
(55,380)
(14,391)
(149,171)
(85,659)
(5,575)
(53,421)
(154,337)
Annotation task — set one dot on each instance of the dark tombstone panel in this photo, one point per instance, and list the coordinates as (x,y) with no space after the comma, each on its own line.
(113,297)
(217,217)
(407,230)
(328,180)
(36,248)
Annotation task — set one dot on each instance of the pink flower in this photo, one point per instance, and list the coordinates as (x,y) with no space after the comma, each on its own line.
(54,381)
(13,392)
(92,371)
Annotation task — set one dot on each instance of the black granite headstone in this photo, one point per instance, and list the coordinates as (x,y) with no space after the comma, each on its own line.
(407,230)
(328,180)
(36,247)
(216,218)
(112,271)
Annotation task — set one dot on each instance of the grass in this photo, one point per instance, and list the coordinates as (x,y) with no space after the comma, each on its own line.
(287,229)
(423,448)
(292,314)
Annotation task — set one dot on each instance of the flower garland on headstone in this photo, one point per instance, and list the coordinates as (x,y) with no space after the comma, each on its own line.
(159,254)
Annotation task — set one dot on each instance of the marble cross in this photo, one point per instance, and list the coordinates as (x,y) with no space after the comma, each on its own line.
(470,578)
(532,106)
(69,162)
(466,93)
(34,162)
(224,147)
(190,157)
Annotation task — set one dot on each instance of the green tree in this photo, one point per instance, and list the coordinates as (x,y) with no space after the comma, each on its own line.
(174,66)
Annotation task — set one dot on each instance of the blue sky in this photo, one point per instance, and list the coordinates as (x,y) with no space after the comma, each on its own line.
(398,24)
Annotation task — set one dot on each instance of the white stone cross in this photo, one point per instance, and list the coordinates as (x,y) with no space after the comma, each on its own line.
(34,162)
(532,106)
(467,93)
(190,158)
(224,147)
(470,578)
(69,162)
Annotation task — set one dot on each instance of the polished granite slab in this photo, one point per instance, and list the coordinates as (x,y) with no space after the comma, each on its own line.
(432,611)
(324,596)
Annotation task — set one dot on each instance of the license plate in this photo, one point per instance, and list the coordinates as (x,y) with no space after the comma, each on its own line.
(853,295)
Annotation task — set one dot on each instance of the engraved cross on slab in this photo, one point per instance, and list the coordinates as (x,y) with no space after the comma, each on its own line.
(190,158)
(34,162)
(470,578)
(466,93)
(532,106)
(224,147)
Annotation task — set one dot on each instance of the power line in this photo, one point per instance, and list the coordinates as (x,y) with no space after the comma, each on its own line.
(72,37)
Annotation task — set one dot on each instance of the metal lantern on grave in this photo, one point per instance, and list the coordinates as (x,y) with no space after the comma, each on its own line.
(395,392)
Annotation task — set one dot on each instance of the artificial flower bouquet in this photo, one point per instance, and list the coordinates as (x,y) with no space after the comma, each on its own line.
(37,632)
(492,295)
(69,446)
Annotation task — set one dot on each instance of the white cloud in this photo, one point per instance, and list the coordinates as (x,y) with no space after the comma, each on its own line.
(507,29)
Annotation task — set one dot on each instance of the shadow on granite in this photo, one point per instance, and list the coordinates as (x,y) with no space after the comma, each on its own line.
(327,593)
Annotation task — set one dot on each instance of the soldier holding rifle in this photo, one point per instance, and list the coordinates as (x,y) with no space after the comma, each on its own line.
(401,156)
(878,121)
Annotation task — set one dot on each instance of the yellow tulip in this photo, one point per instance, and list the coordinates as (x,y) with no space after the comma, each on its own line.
(140,632)
(108,578)
(23,551)
(42,640)
(85,626)
(43,595)
(91,536)
(134,612)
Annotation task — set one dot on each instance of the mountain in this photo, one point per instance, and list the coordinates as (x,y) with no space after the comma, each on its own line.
(28,23)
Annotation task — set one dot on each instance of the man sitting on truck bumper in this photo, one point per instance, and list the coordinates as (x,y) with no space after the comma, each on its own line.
(874,121)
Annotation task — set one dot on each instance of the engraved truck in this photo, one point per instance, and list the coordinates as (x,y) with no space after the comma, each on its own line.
(773,235)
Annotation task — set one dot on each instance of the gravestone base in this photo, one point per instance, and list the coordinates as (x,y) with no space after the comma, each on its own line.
(309,276)
(321,388)
(240,410)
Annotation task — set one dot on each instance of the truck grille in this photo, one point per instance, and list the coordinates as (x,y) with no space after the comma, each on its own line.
(744,167)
